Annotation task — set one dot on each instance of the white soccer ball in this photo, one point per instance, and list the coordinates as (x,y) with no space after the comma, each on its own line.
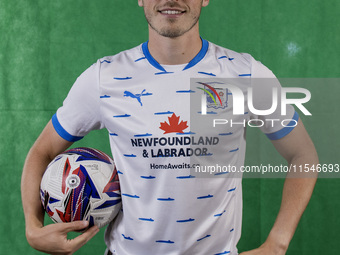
(81,184)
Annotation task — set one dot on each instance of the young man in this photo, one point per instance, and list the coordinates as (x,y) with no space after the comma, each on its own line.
(140,93)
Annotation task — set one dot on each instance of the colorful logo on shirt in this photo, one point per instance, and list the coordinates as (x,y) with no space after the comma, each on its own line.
(216,98)
(137,96)
(174,125)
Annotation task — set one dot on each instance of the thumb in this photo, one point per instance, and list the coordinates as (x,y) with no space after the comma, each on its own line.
(82,239)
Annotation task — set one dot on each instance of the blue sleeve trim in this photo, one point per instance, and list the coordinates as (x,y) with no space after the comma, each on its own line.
(286,130)
(62,132)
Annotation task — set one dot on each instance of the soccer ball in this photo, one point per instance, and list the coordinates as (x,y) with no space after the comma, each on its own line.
(81,184)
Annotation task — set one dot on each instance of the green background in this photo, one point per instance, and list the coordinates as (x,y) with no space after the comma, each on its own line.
(45,45)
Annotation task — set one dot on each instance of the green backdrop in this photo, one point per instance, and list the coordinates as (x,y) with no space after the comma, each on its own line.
(45,45)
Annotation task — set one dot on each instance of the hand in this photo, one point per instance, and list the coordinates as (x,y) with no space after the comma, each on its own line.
(52,238)
(266,249)
(261,251)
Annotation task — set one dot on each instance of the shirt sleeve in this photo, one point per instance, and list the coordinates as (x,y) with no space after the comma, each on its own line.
(80,112)
(267,112)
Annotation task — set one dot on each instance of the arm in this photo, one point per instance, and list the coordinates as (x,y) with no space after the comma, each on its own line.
(51,238)
(298,149)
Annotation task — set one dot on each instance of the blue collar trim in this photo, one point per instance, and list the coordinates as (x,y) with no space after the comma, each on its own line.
(199,56)
(193,62)
(148,56)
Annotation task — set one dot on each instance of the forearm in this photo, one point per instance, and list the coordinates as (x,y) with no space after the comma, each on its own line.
(51,239)
(297,192)
(48,145)
(34,167)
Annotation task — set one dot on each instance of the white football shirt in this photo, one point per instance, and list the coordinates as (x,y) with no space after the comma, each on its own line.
(146,109)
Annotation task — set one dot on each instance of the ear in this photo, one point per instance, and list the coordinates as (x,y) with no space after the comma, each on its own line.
(205,3)
(140,3)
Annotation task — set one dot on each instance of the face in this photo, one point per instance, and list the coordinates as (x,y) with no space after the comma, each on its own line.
(172,18)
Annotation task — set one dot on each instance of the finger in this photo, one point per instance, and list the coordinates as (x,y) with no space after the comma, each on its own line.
(75,226)
(82,239)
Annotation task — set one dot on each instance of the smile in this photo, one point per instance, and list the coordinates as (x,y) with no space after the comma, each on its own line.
(171,12)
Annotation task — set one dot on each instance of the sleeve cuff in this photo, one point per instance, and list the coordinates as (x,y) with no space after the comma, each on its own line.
(286,130)
(62,132)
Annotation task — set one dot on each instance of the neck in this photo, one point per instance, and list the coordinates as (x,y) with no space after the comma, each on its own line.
(174,51)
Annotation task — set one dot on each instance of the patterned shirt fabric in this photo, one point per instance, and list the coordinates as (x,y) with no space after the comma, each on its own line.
(146,108)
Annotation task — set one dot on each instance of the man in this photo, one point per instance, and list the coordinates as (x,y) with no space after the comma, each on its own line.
(141,93)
